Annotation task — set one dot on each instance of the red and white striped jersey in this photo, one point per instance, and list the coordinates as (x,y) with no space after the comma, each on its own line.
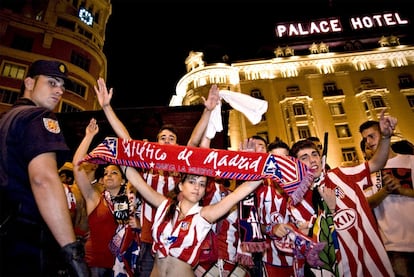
(361,252)
(273,210)
(163,182)
(179,238)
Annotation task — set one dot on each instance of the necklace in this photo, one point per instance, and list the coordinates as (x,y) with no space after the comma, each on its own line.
(181,215)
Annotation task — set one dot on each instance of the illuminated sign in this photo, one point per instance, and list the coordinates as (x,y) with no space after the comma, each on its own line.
(379,20)
(334,25)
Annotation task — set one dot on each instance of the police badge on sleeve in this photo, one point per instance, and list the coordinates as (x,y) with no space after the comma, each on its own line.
(52,125)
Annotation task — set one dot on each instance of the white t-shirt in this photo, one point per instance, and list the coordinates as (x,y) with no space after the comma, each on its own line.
(395,213)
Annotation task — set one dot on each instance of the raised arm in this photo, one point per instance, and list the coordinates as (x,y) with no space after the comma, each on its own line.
(82,177)
(104,98)
(213,212)
(147,192)
(198,138)
(380,157)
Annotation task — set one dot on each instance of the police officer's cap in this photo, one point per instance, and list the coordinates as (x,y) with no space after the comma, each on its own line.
(49,68)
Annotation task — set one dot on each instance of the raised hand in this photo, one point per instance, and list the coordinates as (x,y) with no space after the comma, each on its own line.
(104,97)
(387,124)
(248,145)
(92,128)
(213,98)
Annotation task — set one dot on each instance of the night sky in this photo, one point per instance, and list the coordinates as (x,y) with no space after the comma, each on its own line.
(147,42)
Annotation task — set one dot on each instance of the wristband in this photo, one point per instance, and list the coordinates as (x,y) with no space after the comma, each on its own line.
(386,137)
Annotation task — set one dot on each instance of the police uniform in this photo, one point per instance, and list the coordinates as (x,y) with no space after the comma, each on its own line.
(26,132)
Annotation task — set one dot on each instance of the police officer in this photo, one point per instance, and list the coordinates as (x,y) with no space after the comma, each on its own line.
(36,232)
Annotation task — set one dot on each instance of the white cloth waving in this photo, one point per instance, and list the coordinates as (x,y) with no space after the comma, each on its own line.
(251,107)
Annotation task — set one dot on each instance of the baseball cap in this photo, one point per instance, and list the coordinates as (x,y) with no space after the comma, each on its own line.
(49,68)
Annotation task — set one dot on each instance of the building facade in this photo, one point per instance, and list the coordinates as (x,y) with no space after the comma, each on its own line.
(332,85)
(71,31)
(327,75)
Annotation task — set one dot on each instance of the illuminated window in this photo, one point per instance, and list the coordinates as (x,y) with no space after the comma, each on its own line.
(299,109)
(377,102)
(342,131)
(303,132)
(14,71)
(336,108)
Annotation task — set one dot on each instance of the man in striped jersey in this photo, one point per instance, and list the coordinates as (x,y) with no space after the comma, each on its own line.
(334,210)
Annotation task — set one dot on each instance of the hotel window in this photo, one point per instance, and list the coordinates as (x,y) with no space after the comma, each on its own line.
(336,108)
(330,89)
(68,108)
(349,154)
(342,131)
(13,71)
(303,132)
(80,60)
(292,89)
(78,89)
(256,93)
(367,81)
(377,102)
(8,96)
(406,81)
(299,109)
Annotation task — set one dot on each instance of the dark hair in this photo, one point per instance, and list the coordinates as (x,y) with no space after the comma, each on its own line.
(168,127)
(68,173)
(173,194)
(301,144)
(314,139)
(119,168)
(362,144)
(99,172)
(277,143)
(403,147)
(368,124)
(259,138)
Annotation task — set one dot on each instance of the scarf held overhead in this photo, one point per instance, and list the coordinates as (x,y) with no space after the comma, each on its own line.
(227,164)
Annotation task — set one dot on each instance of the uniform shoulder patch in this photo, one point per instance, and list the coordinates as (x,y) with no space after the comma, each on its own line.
(52,125)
